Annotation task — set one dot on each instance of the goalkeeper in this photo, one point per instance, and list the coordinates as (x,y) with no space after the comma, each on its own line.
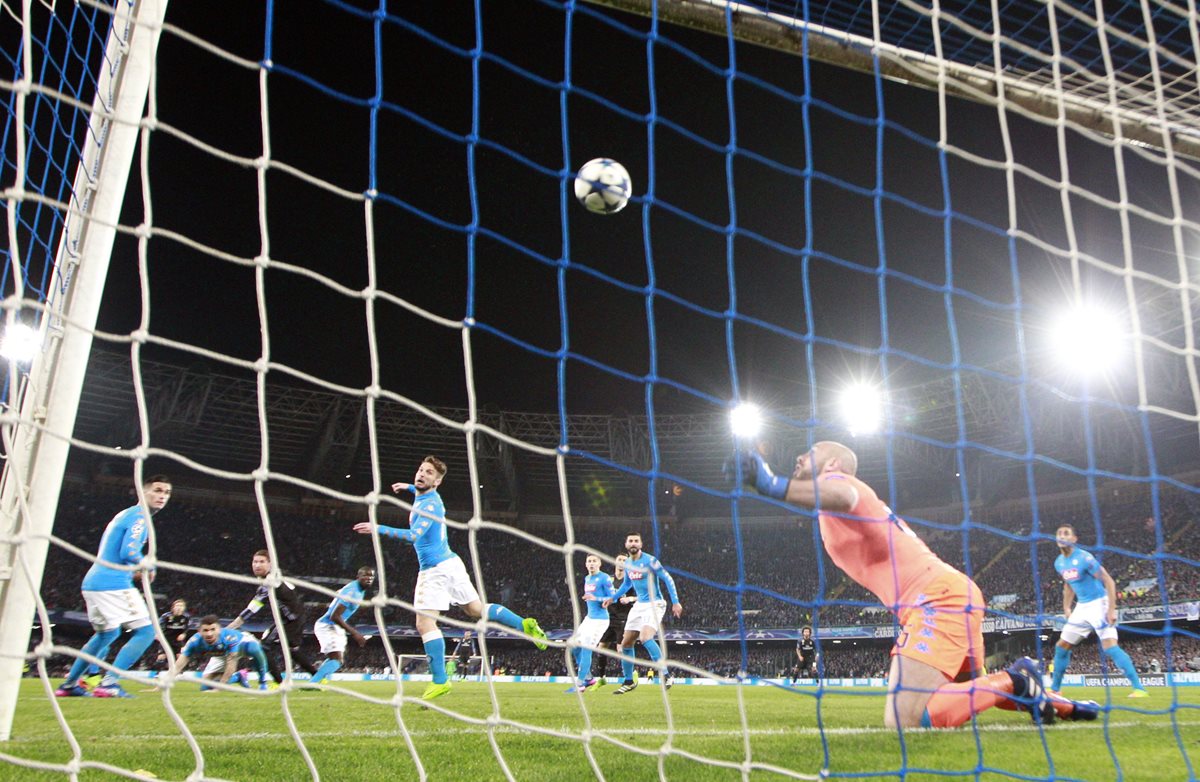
(936,677)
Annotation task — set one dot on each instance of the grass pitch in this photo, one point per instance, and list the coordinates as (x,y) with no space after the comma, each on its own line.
(359,735)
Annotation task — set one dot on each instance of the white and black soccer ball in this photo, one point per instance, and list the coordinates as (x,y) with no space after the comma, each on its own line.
(603,186)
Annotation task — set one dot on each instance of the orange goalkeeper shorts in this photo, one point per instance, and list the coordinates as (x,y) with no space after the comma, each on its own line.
(944,627)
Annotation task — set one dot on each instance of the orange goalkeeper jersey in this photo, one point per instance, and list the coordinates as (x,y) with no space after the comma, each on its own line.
(876,548)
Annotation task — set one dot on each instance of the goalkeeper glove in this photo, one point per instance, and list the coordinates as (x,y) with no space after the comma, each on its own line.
(756,470)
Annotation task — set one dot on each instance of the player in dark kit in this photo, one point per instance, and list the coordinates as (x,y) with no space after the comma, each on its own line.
(291,610)
(806,650)
(618,612)
(463,653)
(174,624)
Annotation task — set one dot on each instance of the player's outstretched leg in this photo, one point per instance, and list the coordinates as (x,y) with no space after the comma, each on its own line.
(528,625)
(1075,711)
(1120,658)
(1062,658)
(1028,692)
(627,668)
(435,650)
(1019,687)
(139,640)
(331,665)
(97,646)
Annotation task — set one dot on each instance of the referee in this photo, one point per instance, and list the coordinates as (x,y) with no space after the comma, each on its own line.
(291,610)
(618,612)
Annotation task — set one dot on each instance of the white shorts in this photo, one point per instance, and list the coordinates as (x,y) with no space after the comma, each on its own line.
(645,613)
(1086,617)
(331,636)
(115,608)
(589,631)
(443,585)
(215,664)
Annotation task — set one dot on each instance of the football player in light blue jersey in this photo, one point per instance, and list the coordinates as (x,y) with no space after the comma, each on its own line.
(112,601)
(597,588)
(442,580)
(224,647)
(334,625)
(644,573)
(1092,589)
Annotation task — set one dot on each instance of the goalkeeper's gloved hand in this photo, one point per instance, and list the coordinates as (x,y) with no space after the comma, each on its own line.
(756,471)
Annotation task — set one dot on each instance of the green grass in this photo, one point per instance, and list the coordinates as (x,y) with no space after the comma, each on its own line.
(352,738)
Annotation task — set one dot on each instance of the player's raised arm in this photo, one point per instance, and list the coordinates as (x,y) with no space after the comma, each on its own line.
(801,488)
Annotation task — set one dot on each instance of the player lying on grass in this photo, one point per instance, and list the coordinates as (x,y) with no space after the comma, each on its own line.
(224,648)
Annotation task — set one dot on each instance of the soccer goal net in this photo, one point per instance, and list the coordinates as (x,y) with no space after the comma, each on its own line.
(280,252)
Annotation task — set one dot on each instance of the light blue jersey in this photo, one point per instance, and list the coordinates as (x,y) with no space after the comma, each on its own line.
(599,586)
(643,574)
(346,596)
(123,540)
(426,530)
(227,642)
(1082,572)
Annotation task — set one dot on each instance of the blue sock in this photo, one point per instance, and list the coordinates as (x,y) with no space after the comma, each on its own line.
(260,665)
(652,649)
(498,613)
(627,658)
(237,679)
(1122,661)
(1062,658)
(435,647)
(97,646)
(329,666)
(584,668)
(139,641)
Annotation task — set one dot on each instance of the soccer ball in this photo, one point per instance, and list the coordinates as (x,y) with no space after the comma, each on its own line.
(603,186)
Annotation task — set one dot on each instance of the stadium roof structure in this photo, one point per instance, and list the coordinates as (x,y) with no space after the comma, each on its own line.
(1131,73)
(317,436)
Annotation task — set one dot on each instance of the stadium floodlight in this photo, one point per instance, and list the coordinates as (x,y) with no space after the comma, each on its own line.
(1088,340)
(20,343)
(862,408)
(745,420)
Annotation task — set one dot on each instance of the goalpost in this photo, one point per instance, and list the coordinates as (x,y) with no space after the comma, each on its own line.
(770,201)
(39,411)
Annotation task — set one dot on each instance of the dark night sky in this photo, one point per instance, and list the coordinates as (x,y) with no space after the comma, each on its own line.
(520,197)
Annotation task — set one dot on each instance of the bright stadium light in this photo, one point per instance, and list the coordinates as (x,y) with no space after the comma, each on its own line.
(862,408)
(1088,340)
(745,420)
(20,343)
